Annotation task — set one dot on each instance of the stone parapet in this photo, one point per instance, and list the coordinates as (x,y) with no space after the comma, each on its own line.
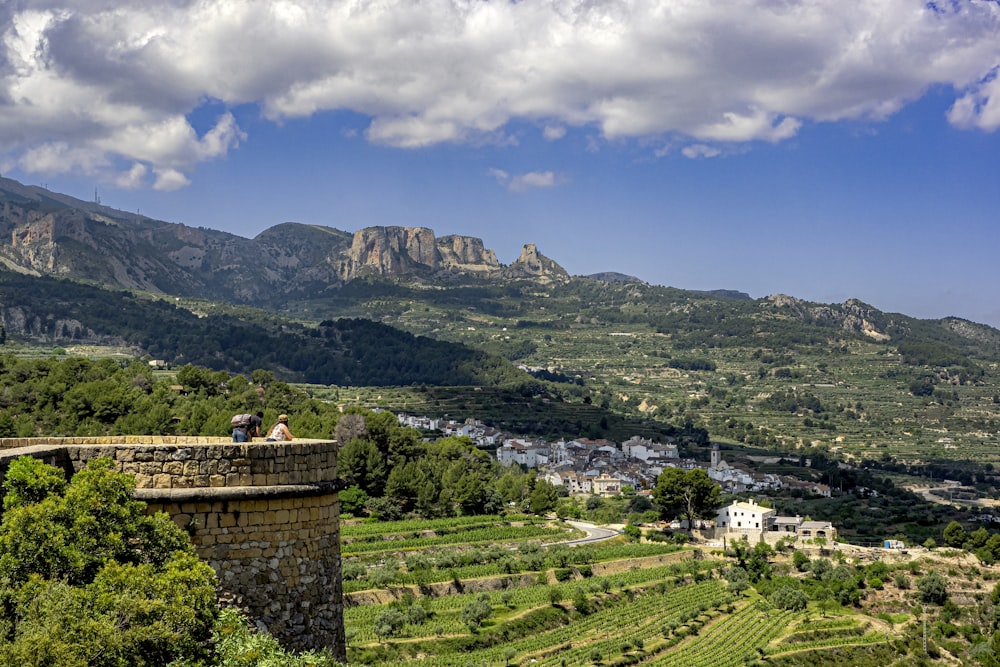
(264,515)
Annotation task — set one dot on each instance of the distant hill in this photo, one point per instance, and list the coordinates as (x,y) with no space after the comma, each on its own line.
(45,233)
(343,352)
(445,288)
(614,277)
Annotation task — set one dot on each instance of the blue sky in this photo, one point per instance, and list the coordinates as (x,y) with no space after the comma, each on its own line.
(821,150)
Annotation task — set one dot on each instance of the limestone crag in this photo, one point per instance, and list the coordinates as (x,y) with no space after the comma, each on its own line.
(390,251)
(852,315)
(466,253)
(533,264)
(45,233)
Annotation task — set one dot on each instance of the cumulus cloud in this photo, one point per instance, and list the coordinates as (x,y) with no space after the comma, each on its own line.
(133,178)
(532,180)
(170,179)
(96,84)
(980,105)
(699,151)
(527,181)
(554,132)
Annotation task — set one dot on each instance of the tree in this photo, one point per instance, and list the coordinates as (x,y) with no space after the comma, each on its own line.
(543,498)
(474,613)
(691,493)
(89,579)
(633,533)
(787,597)
(954,535)
(352,500)
(738,579)
(389,622)
(933,588)
(581,602)
(362,465)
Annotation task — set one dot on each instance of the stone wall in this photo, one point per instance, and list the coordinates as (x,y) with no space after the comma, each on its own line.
(264,515)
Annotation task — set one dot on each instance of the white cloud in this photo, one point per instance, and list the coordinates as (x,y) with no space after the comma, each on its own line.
(133,178)
(554,132)
(99,81)
(979,106)
(699,151)
(170,179)
(535,179)
(500,175)
(529,180)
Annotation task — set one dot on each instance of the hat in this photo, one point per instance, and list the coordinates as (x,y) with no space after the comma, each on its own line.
(282,418)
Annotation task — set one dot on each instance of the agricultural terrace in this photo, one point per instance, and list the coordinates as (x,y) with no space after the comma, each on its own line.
(444,593)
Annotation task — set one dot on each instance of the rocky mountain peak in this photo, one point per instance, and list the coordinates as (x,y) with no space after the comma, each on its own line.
(533,264)
(46,233)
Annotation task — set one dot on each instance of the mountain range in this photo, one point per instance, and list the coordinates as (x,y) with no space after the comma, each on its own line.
(399,275)
(45,233)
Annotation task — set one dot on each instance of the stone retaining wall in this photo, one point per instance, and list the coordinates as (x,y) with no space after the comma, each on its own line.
(264,515)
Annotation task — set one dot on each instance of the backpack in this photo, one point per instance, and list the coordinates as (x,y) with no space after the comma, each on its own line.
(241,421)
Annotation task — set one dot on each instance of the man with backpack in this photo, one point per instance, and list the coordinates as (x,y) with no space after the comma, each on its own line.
(246,426)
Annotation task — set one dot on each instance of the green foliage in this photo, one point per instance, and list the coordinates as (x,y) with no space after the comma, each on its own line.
(238,645)
(738,579)
(389,622)
(954,535)
(632,532)
(543,498)
(789,597)
(30,481)
(352,500)
(88,578)
(475,612)
(344,351)
(933,588)
(690,493)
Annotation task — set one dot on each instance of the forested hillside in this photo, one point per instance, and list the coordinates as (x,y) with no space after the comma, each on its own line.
(344,351)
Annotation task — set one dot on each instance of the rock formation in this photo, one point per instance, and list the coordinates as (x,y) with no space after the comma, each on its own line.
(45,233)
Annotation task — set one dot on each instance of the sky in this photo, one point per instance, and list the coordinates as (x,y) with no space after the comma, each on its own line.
(824,150)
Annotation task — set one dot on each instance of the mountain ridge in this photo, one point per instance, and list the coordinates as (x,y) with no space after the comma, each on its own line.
(48,234)
(45,233)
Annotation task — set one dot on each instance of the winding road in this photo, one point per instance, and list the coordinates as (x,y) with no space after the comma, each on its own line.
(594,532)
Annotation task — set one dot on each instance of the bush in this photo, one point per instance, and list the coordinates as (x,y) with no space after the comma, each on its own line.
(789,598)
(86,572)
(933,588)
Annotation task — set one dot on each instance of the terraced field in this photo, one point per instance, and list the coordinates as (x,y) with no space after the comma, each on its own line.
(444,601)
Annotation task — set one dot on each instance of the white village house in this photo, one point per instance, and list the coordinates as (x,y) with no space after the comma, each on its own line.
(756,523)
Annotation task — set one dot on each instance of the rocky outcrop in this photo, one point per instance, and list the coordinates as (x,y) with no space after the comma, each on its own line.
(466,253)
(389,251)
(853,315)
(533,264)
(49,234)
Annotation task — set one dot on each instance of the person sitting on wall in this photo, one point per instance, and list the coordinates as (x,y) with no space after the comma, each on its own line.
(251,430)
(280,430)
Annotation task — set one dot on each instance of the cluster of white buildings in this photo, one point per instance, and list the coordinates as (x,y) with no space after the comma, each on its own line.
(601,466)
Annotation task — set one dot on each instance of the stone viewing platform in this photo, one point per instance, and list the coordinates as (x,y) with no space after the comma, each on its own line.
(264,515)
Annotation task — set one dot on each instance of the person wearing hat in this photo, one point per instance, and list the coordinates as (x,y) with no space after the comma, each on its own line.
(280,430)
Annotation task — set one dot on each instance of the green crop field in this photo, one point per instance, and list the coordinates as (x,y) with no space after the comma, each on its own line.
(447,603)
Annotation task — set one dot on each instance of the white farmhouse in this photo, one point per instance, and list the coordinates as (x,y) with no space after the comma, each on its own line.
(746,518)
